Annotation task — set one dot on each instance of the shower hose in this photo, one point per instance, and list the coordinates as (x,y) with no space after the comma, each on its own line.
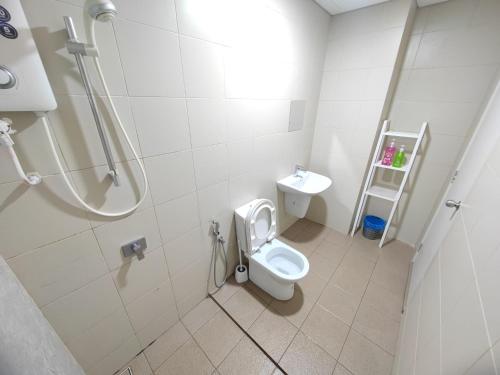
(122,128)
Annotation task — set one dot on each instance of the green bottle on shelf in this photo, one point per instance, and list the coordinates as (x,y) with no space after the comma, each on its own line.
(399,159)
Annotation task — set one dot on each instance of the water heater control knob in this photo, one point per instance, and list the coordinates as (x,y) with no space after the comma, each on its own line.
(7,78)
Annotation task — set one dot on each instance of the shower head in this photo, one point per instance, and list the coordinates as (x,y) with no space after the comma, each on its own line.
(101,10)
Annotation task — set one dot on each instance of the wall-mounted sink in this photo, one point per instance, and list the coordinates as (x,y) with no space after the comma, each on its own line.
(299,188)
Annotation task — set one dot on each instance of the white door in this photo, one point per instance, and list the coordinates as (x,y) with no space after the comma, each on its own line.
(481,144)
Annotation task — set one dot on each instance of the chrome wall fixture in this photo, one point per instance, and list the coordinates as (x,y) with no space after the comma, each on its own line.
(79,50)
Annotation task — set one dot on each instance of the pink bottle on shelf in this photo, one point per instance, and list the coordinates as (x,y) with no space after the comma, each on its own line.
(389,153)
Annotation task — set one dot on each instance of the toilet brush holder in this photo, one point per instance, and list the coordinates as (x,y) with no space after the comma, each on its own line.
(241,274)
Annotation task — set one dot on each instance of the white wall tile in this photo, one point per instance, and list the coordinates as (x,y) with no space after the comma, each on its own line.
(464,84)
(170,176)
(178,216)
(113,236)
(210,165)
(203,67)
(46,21)
(151,60)
(487,12)
(157,13)
(57,269)
(377,84)
(243,189)
(185,251)
(272,116)
(338,114)
(116,359)
(256,76)
(34,207)
(206,21)
(467,46)
(102,338)
(31,146)
(444,118)
(153,313)
(343,84)
(190,286)
(207,122)
(241,156)
(77,135)
(98,190)
(430,310)
(241,118)
(74,314)
(214,202)
(450,15)
(138,277)
(162,124)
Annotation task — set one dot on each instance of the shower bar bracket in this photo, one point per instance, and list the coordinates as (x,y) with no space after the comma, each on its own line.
(80,50)
(84,49)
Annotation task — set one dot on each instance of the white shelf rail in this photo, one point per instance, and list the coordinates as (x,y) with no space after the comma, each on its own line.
(392,195)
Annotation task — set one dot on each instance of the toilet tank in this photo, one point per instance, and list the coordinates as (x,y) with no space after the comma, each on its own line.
(240,215)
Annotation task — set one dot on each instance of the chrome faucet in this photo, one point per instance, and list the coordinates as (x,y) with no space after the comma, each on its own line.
(299,168)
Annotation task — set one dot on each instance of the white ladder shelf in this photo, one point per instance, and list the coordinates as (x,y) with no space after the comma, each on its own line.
(388,194)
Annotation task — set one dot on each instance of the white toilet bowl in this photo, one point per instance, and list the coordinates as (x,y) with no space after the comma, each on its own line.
(276,267)
(273,265)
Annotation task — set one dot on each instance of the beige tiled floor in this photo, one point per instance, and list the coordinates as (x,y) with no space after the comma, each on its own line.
(343,318)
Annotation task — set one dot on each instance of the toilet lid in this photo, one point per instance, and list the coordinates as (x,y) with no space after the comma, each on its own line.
(261,223)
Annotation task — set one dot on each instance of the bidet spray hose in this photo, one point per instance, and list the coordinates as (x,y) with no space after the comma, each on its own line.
(218,240)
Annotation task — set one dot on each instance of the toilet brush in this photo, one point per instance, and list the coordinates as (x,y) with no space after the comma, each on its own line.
(240,273)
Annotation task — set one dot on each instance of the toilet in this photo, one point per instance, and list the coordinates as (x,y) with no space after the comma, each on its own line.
(273,265)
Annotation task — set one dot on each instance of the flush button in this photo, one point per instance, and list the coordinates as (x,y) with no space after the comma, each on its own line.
(8,31)
(4,14)
(7,78)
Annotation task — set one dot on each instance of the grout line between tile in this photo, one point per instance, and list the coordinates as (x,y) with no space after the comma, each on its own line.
(317,299)
(319,296)
(171,355)
(249,336)
(198,344)
(354,319)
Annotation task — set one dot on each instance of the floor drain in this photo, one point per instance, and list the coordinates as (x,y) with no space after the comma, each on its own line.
(248,335)
(127,371)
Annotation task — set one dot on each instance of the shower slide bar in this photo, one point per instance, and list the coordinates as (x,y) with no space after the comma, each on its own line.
(79,50)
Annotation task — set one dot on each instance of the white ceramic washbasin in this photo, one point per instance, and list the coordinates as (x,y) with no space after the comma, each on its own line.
(299,188)
(308,183)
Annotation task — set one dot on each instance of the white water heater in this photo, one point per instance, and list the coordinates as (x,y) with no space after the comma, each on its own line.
(23,82)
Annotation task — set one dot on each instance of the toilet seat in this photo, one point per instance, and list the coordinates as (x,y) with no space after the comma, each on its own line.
(260,224)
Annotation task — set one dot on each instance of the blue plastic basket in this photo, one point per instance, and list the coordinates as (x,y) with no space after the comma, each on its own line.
(373,227)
